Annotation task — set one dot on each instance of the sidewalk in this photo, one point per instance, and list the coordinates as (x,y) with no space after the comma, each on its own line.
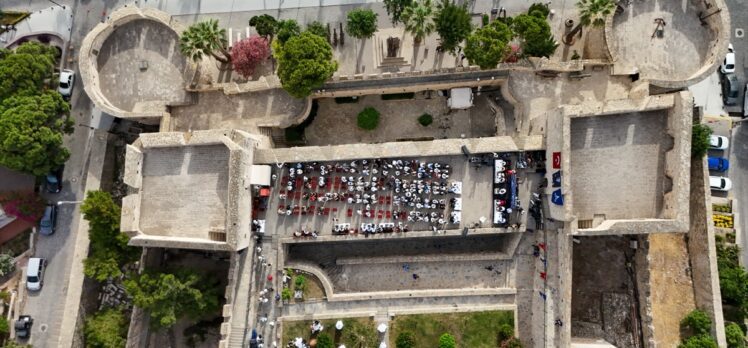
(75,278)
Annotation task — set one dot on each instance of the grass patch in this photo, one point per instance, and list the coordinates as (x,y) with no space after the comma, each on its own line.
(357,332)
(368,119)
(398,96)
(475,329)
(425,120)
(346,100)
(17,245)
(295,134)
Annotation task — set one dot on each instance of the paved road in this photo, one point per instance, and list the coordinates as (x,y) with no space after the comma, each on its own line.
(47,306)
(739,145)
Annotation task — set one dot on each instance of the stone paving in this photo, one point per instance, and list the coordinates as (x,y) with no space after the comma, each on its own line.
(131,48)
(681,51)
(621,161)
(336,123)
(184,191)
(216,110)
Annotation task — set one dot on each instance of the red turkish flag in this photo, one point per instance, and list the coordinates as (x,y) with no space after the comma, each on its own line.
(556,160)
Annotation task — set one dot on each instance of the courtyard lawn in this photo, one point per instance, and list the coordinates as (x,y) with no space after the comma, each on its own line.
(474,329)
(357,332)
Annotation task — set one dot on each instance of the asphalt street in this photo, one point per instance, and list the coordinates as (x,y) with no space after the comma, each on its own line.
(739,142)
(47,305)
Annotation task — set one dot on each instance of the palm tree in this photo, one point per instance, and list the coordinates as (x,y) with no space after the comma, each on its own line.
(591,12)
(419,20)
(205,38)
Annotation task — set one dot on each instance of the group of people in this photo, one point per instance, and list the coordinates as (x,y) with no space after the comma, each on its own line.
(412,190)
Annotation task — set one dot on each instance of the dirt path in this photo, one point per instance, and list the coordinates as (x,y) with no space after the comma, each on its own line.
(671,286)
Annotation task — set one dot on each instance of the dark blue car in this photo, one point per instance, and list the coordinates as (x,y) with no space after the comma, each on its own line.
(718,164)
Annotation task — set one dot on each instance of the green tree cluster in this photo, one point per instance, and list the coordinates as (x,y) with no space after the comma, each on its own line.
(265,25)
(452,24)
(205,38)
(171,295)
(33,118)
(304,63)
(418,18)
(362,23)
(395,9)
(535,34)
(487,46)
(698,325)
(106,329)
(287,29)
(109,249)
(317,28)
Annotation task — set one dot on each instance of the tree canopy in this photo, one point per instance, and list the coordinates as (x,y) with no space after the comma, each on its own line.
(23,72)
(109,249)
(205,38)
(287,29)
(536,36)
(264,24)
(405,340)
(452,24)
(106,329)
(734,335)
(702,341)
(700,140)
(419,20)
(31,131)
(304,63)
(248,54)
(172,295)
(395,9)
(487,46)
(362,23)
(697,322)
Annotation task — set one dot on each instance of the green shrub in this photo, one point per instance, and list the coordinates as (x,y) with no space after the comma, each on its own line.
(5,296)
(368,119)
(697,322)
(735,336)
(485,19)
(300,282)
(425,120)
(324,341)
(447,341)
(700,140)
(701,341)
(398,96)
(286,294)
(7,264)
(405,340)
(4,327)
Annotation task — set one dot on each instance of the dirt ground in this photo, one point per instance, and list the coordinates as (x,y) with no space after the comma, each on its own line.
(671,286)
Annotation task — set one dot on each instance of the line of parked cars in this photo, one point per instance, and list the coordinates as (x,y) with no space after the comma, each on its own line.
(719,164)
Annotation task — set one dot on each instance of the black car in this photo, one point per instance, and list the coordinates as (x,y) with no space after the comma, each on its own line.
(53,181)
(730,89)
(23,326)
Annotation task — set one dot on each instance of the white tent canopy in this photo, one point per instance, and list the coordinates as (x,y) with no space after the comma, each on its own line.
(460,98)
(260,175)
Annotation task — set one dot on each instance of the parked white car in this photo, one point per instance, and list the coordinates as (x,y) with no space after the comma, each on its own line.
(67,80)
(718,142)
(728,65)
(720,183)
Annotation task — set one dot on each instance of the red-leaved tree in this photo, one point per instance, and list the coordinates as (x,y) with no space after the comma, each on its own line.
(247,54)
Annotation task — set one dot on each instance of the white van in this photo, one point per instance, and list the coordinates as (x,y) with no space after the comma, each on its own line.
(35,273)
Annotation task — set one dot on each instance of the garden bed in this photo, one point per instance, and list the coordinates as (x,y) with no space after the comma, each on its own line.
(18,245)
(473,329)
(357,332)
